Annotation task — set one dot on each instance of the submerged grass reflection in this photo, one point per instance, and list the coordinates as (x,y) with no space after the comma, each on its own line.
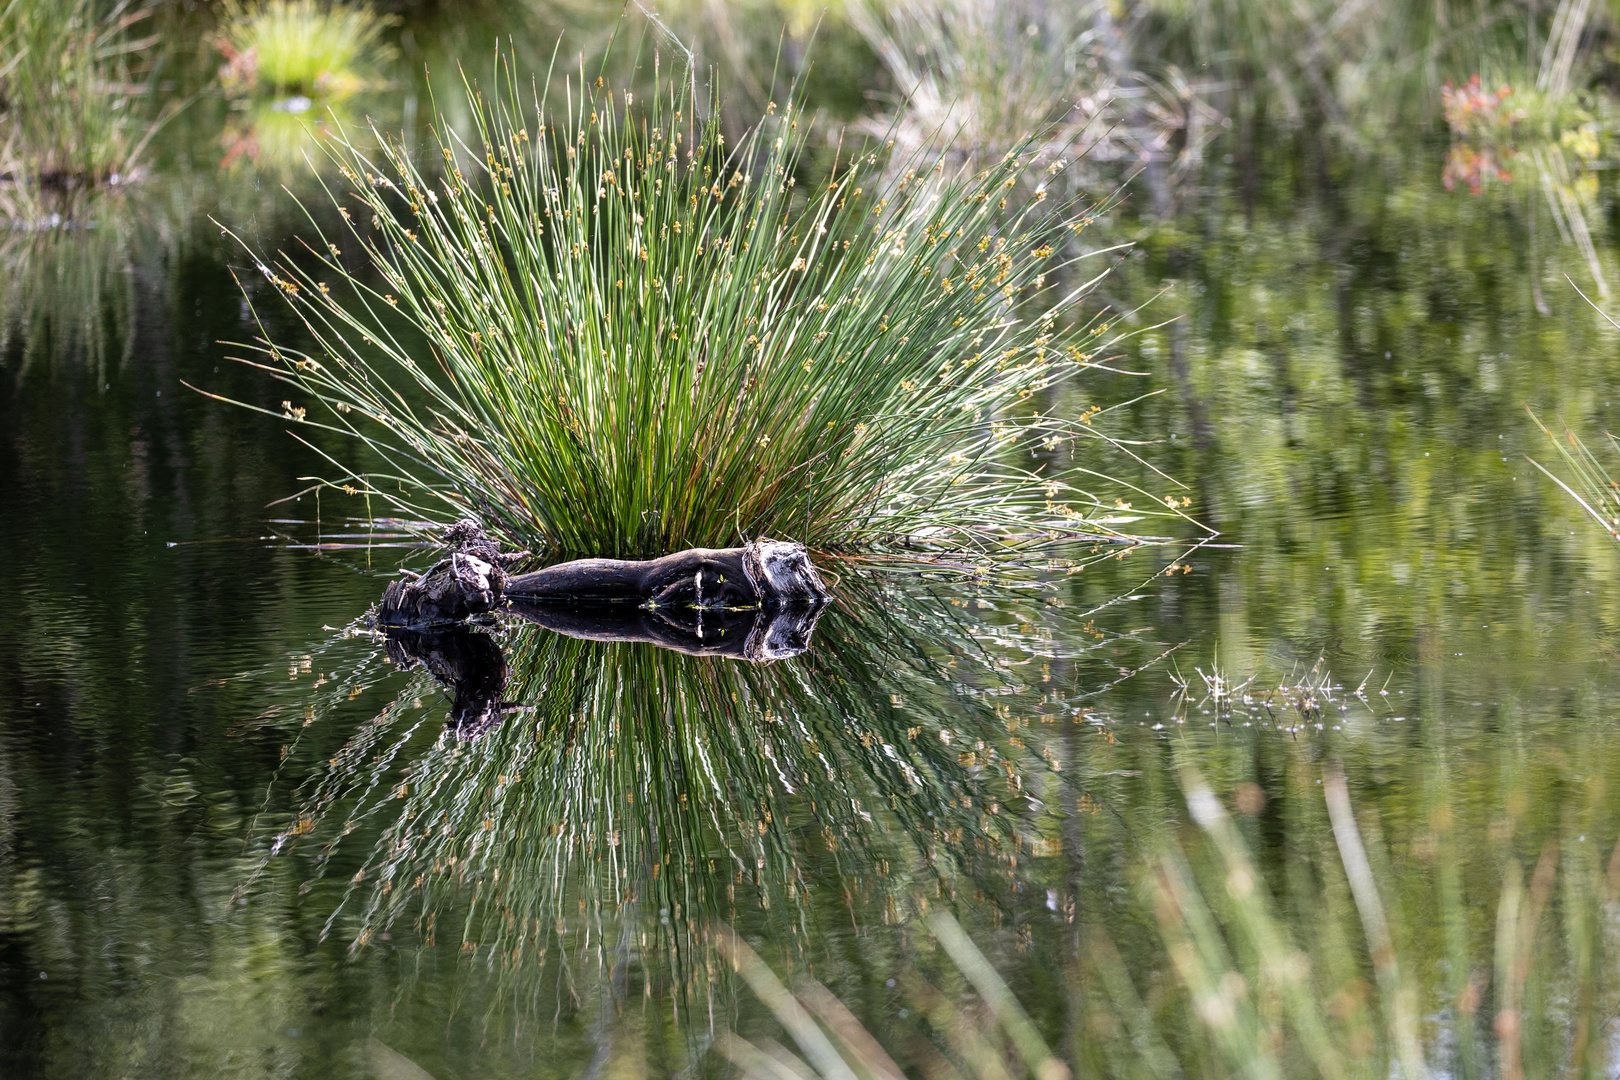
(77,279)
(1336,966)
(1359,981)
(629,789)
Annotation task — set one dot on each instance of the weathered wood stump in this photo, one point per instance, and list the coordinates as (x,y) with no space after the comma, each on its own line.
(471,581)
(763,574)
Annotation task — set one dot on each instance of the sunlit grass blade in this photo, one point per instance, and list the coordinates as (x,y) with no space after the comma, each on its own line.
(1008,1012)
(1594,490)
(1399,998)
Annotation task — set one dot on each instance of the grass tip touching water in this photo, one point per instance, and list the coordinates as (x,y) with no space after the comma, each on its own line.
(600,329)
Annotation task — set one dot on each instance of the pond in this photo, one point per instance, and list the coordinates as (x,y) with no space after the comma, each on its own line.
(1329,794)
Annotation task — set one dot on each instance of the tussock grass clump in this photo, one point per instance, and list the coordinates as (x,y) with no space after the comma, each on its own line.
(299,47)
(602,330)
(984,70)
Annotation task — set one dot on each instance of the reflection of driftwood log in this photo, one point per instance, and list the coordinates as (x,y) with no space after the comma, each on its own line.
(469,664)
(473,580)
(757,634)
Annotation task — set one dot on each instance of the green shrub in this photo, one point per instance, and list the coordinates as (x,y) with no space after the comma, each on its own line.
(299,47)
(607,332)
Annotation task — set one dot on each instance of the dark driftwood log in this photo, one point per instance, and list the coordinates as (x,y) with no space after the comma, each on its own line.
(473,580)
(762,572)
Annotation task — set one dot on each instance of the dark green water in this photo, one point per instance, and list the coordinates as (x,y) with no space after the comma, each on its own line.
(236,841)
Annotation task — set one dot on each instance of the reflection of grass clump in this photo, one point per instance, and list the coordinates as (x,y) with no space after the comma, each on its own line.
(70,92)
(69,292)
(643,339)
(75,294)
(602,776)
(299,47)
(275,135)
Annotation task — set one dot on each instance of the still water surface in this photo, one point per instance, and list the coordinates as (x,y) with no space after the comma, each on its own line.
(237,839)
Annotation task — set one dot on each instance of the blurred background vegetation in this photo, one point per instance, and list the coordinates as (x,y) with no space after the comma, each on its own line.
(1361,220)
